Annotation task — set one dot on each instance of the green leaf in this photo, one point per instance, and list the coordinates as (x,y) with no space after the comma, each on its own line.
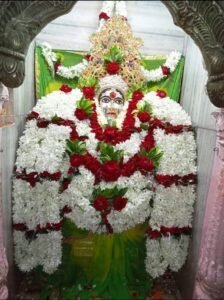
(87,82)
(107,153)
(75,147)
(115,54)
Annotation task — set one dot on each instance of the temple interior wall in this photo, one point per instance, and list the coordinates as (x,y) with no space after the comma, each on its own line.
(152,22)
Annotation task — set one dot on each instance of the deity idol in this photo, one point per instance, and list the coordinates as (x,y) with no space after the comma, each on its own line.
(105,175)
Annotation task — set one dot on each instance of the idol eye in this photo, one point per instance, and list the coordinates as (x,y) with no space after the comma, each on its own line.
(118,101)
(105,100)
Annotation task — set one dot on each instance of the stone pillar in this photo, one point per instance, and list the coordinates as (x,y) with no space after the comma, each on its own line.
(210,274)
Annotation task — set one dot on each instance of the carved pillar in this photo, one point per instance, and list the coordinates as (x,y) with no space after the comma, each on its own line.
(3,260)
(210,274)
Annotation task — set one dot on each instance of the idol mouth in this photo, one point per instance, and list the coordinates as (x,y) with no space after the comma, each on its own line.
(112,114)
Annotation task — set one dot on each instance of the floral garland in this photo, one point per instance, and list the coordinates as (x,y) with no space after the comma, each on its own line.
(56,66)
(70,163)
(75,71)
(163,71)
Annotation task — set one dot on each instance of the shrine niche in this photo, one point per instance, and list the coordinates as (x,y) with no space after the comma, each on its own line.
(114,94)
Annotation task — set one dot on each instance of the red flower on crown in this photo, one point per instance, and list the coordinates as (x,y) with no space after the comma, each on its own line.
(112,68)
(65,88)
(88,92)
(104,16)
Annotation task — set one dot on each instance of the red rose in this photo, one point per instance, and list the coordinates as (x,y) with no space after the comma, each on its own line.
(145,164)
(54,226)
(91,163)
(42,123)
(57,65)
(73,134)
(130,167)
(161,93)
(143,116)
(137,95)
(104,16)
(120,203)
(112,68)
(32,115)
(110,133)
(76,160)
(65,88)
(110,170)
(149,142)
(100,203)
(44,174)
(88,92)
(165,70)
(81,114)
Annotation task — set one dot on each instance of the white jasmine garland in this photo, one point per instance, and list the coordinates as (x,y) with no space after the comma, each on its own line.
(65,72)
(49,55)
(44,250)
(157,74)
(166,109)
(172,206)
(108,8)
(73,71)
(179,152)
(165,252)
(120,8)
(36,205)
(42,149)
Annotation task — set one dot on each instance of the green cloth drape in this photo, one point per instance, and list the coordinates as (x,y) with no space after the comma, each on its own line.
(46,83)
(99,266)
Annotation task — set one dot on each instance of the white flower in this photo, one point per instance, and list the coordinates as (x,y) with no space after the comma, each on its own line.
(179,152)
(44,250)
(165,252)
(172,206)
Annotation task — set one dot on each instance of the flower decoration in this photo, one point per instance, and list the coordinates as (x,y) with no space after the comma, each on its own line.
(113,59)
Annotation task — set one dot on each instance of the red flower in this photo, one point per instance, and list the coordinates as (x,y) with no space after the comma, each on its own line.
(161,93)
(76,160)
(165,180)
(55,176)
(81,114)
(42,123)
(110,133)
(32,115)
(149,142)
(137,95)
(130,167)
(67,209)
(91,163)
(54,226)
(88,57)
(67,122)
(110,170)
(165,70)
(104,16)
(20,227)
(89,92)
(65,183)
(57,65)
(100,203)
(143,116)
(145,164)
(112,68)
(120,203)
(153,234)
(73,134)
(31,178)
(65,88)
